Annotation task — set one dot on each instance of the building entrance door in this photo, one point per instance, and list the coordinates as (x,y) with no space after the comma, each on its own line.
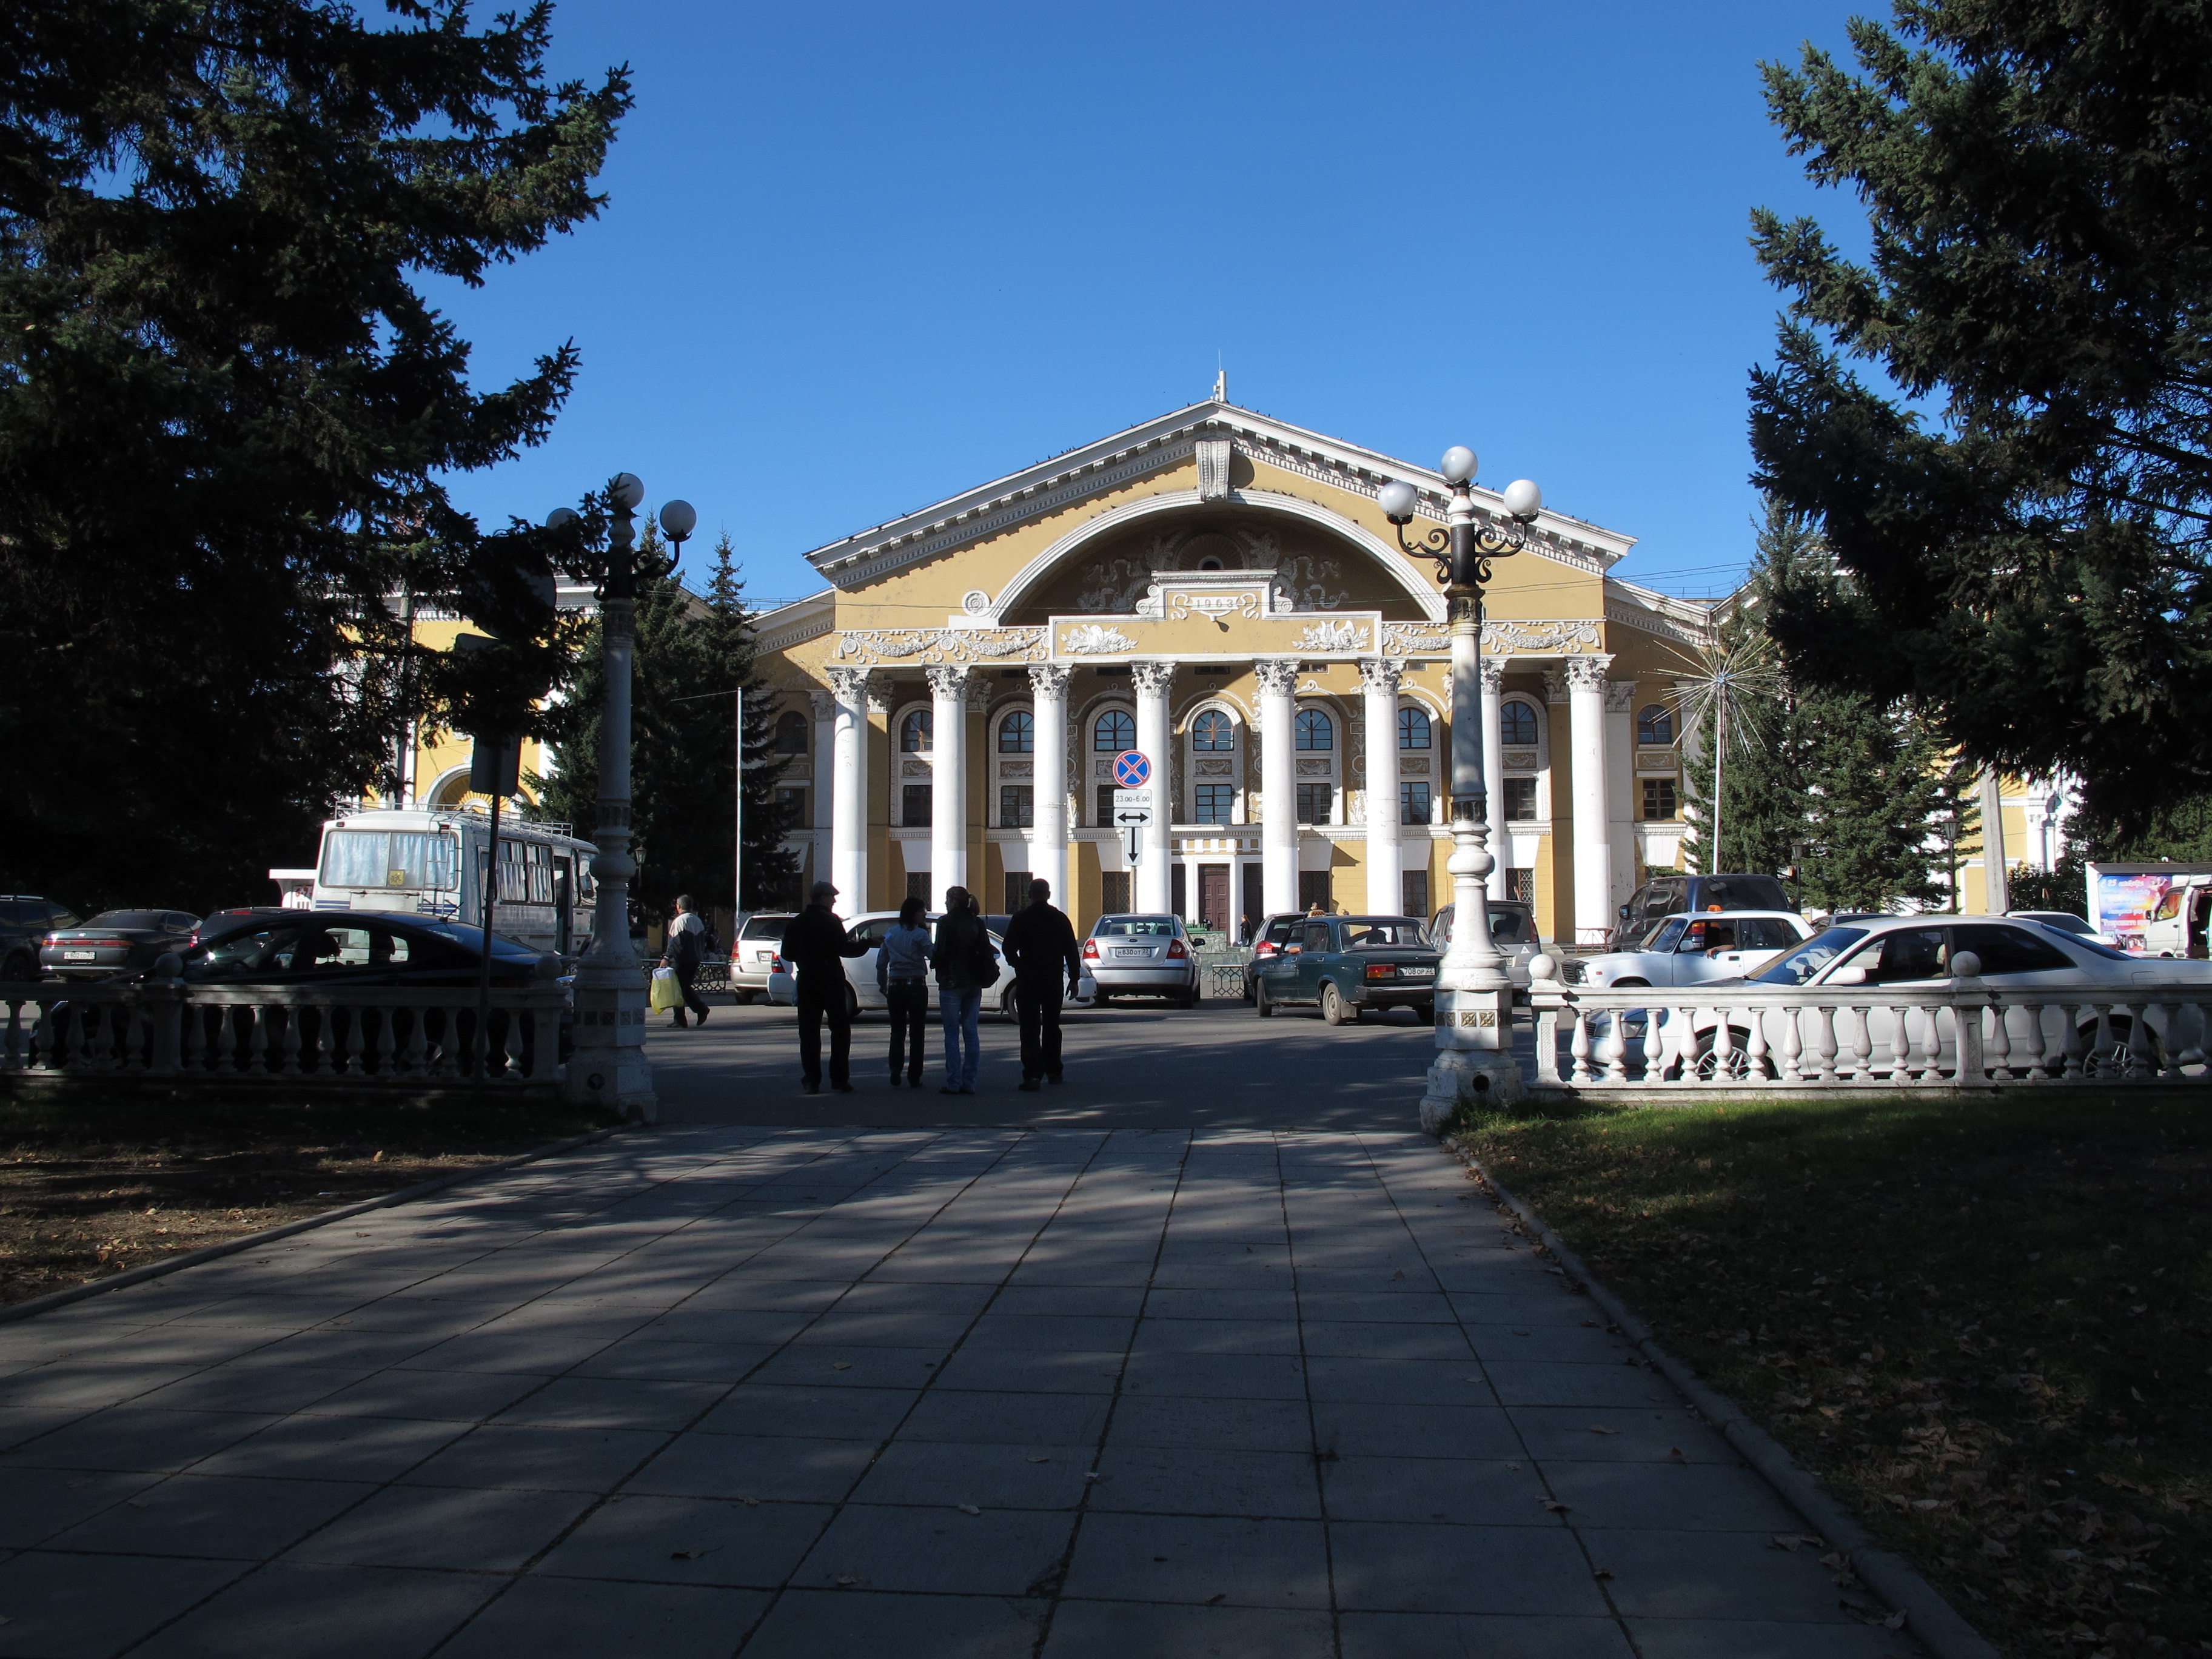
(1213,896)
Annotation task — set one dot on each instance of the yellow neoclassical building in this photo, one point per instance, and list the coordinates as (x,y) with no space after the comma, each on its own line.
(1219,590)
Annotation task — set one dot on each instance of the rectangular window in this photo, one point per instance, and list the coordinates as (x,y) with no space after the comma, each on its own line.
(1113,892)
(1254,904)
(1179,888)
(1105,818)
(1313,889)
(915,805)
(1658,799)
(793,805)
(917,884)
(1521,884)
(1314,800)
(1017,890)
(1415,896)
(1414,803)
(1216,801)
(1017,805)
(1520,800)
(374,858)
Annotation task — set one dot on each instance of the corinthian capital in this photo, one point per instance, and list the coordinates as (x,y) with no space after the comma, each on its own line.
(949,682)
(1493,669)
(824,704)
(1153,678)
(1380,674)
(1277,675)
(1049,679)
(1587,673)
(850,686)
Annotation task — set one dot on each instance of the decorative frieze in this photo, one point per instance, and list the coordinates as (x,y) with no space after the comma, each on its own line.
(1094,639)
(1334,636)
(931,646)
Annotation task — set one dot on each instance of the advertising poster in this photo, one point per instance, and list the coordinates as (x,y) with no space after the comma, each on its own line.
(2123,906)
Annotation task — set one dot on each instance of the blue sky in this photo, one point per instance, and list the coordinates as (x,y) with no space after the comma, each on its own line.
(857,258)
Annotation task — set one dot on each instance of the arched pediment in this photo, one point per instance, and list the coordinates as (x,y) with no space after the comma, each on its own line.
(1374,575)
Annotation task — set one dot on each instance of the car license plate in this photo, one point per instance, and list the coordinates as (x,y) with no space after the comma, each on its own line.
(1417,973)
(79,956)
(1132,953)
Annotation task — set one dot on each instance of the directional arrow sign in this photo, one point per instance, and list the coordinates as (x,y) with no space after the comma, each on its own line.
(1132,811)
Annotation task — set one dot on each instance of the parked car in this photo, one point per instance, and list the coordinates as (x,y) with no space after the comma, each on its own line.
(115,942)
(309,947)
(1142,955)
(1347,964)
(862,993)
(752,953)
(25,921)
(1665,896)
(2064,921)
(1271,938)
(1512,930)
(1919,950)
(1685,950)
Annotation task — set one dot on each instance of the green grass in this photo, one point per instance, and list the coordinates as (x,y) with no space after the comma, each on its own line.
(1985,1324)
(90,1187)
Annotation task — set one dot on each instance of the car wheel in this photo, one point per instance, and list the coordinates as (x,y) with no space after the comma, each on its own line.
(1262,1004)
(1333,1011)
(2114,1056)
(20,970)
(852,1002)
(744,999)
(1008,1014)
(1735,1064)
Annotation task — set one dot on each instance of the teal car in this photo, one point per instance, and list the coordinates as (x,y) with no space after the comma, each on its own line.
(1345,965)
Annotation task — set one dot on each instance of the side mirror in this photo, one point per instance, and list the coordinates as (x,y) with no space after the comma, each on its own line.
(1851,976)
(1623,913)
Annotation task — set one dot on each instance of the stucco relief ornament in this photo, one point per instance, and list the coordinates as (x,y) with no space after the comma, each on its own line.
(948,682)
(1277,678)
(1544,637)
(1093,639)
(1587,673)
(1334,636)
(975,602)
(1154,676)
(1315,595)
(1418,639)
(880,642)
(1049,679)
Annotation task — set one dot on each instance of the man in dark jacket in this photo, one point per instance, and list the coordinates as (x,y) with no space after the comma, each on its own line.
(815,945)
(1040,945)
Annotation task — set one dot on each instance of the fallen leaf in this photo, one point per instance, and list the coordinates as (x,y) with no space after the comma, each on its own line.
(685,1555)
(969,1509)
(1600,1428)
(1675,1452)
(1995,1551)
(1895,1621)
(1556,1507)
(1397,1276)
(848,1578)
(135,1502)
(1218,1595)
(749,1503)
(1602,1572)
(1040,1460)
(840,1365)
(1793,1541)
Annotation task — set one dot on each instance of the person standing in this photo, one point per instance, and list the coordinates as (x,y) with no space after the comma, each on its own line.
(687,949)
(965,963)
(1040,946)
(815,944)
(902,973)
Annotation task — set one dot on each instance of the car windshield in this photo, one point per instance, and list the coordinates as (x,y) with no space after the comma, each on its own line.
(2090,943)
(153,920)
(1508,926)
(1667,935)
(1814,954)
(471,939)
(1134,927)
(765,926)
(2059,920)
(1380,932)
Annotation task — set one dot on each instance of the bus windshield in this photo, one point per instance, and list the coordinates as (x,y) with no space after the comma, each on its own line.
(391,858)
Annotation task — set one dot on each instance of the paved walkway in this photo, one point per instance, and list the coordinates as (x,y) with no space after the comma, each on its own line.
(721,1390)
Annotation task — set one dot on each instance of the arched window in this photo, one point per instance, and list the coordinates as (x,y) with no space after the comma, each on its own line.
(1316,730)
(1413,728)
(1017,734)
(1114,732)
(791,733)
(1213,730)
(1516,725)
(915,732)
(1655,724)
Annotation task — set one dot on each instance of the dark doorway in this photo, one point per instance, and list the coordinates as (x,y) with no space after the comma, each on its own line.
(1255,910)
(1214,896)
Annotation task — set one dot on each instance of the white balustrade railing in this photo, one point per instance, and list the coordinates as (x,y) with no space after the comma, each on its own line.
(1961,1033)
(359,1036)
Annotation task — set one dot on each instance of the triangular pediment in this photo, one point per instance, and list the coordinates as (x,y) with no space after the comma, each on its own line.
(1112,464)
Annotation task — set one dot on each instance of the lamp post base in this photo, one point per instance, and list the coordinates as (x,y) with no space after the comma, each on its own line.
(1458,1076)
(608,1068)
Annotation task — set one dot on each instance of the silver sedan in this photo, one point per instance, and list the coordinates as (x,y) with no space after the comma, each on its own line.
(1142,957)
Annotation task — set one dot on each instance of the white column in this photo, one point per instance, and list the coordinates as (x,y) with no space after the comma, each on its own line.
(1048,838)
(948,777)
(848,798)
(1621,794)
(1378,688)
(818,793)
(1279,793)
(1996,892)
(1155,878)
(1493,772)
(1593,845)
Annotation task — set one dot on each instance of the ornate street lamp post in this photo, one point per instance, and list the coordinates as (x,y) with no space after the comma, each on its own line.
(608,1067)
(1474,998)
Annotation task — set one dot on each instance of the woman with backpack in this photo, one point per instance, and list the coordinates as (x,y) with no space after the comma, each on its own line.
(965,964)
(903,975)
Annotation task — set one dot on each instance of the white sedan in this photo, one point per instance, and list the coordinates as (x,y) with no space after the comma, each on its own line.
(1692,947)
(862,993)
(1926,953)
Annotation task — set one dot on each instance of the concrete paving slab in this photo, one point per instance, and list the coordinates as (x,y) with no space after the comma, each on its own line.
(443,1527)
(1152,1479)
(1456,1636)
(788,1468)
(212,1517)
(1399,1567)
(37,1503)
(578,1618)
(1201,1561)
(286,1609)
(1116,1630)
(809,1624)
(136,1437)
(495,1456)
(69,1607)
(689,1540)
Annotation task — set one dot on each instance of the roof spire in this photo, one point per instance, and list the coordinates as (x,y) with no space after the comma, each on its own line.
(1220,385)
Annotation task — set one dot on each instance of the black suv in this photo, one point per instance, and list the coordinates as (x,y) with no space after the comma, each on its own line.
(25,921)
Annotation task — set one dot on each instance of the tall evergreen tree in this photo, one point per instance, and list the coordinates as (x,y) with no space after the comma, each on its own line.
(1866,790)
(2021,489)
(692,655)
(227,408)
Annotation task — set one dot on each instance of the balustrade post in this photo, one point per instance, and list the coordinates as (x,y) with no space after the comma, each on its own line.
(1972,1070)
